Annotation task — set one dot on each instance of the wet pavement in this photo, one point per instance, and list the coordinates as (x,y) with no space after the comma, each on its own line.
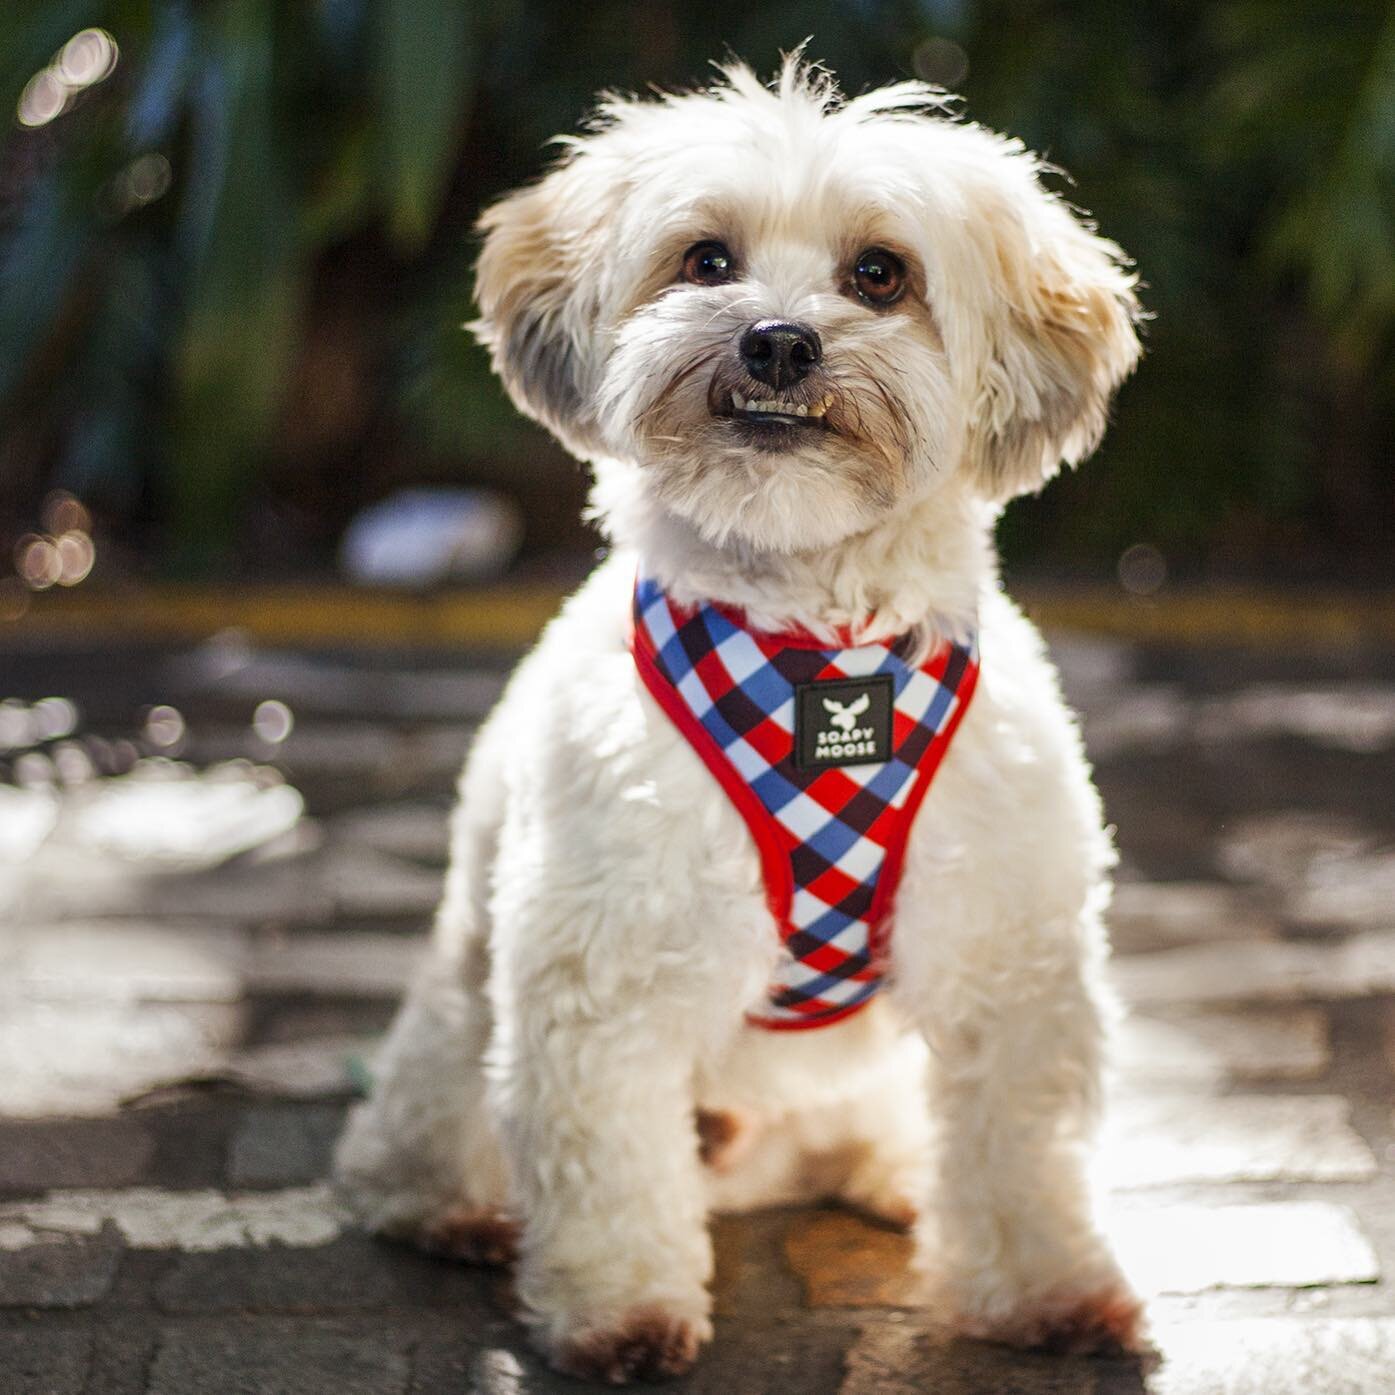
(196,959)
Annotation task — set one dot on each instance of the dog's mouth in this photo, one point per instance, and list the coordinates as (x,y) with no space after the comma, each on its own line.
(776,413)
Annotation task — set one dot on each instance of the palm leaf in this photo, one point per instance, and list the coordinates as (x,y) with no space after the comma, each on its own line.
(238,235)
(423,69)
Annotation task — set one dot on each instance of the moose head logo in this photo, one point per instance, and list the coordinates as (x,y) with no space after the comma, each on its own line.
(845,715)
(843,721)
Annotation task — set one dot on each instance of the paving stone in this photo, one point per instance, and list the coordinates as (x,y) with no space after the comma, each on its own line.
(44,1363)
(417,832)
(163,815)
(1330,869)
(366,962)
(742,1359)
(1158,915)
(1187,1248)
(844,1262)
(756,1359)
(73,1153)
(246,892)
(1094,669)
(341,748)
(55,1271)
(151,1218)
(891,1358)
(283,1145)
(495,1371)
(1146,718)
(122,1353)
(1274,1356)
(303,1069)
(436,751)
(1256,971)
(192,1130)
(364,882)
(1213,1048)
(66,881)
(1280,849)
(1390,1035)
(751,1271)
(85,1058)
(1169,1140)
(27,816)
(347,1273)
(323,685)
(122,961)
(245,1359)
(284,1019)
(1347,717)
(353,1272)
(1357,893)
(384,762)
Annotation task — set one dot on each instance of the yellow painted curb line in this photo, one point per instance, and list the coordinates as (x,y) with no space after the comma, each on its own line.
(502,617)
(1253,618)
(508,617)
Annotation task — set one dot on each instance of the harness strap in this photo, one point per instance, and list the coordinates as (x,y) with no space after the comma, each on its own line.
(827,754)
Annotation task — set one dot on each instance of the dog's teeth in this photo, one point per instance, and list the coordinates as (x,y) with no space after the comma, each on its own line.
(784,409)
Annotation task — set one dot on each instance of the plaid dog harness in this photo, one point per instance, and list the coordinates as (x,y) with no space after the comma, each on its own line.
(827,754)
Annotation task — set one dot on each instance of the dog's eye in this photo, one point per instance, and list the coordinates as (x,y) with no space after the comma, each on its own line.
(879,276)
(708,264)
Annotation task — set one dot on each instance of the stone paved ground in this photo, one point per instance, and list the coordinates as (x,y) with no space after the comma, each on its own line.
(184,1016)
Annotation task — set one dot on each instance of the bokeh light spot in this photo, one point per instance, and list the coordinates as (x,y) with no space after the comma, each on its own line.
(73,764)
(16,725)
(148,178)
(45,96)
(940,61)
(14,598)
(33,770)
(65,513)
(76,555)
(164,727)
(273,721)
(37,562)
(54,718)
(1142,569)
(88,57)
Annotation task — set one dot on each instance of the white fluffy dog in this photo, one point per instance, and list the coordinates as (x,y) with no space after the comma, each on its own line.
(809,346)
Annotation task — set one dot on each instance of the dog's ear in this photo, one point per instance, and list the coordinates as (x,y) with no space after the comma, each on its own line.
(1058,337)
(537,288)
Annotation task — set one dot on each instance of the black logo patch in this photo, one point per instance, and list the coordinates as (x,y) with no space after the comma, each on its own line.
(847,722)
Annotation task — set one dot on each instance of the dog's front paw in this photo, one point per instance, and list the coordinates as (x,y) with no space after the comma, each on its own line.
(477,1235)
(647,1343)
(1106,1322)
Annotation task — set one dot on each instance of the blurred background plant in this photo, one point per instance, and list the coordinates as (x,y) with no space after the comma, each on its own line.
(235,250)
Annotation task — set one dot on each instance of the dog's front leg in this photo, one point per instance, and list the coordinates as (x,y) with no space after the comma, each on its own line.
(1010,1240)
(594,1091)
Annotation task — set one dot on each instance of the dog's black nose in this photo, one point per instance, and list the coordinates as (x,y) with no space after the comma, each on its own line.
(780,352)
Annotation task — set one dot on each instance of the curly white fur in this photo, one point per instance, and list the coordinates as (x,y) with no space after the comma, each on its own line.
(604,928)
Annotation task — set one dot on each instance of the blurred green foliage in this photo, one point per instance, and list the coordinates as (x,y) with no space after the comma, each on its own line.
(233,271)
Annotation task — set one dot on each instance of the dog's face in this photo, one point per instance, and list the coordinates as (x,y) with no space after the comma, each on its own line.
(794,315)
